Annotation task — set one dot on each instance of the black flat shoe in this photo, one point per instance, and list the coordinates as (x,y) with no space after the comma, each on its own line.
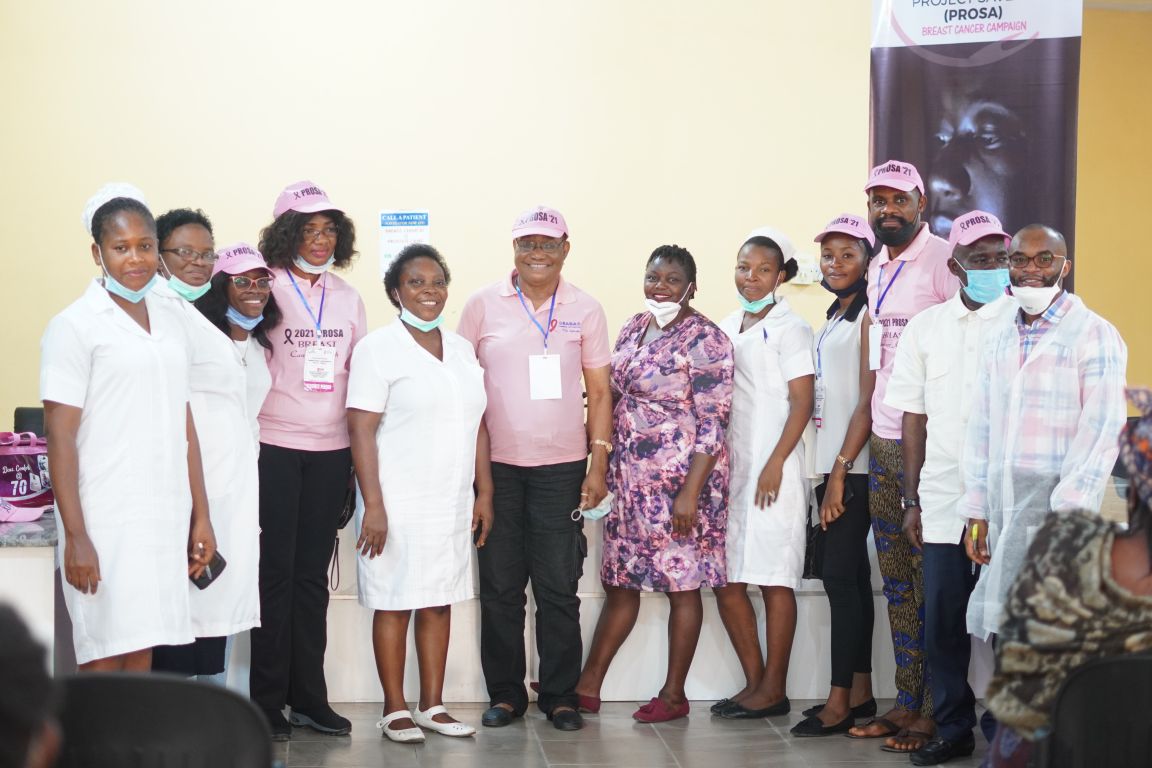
(719,706)
(811,726)
(865,709)
(566,720)
(497,717)
(940,750)
(740,712)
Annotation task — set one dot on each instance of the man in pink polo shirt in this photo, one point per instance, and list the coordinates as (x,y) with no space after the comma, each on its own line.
(542,342)
(909,274)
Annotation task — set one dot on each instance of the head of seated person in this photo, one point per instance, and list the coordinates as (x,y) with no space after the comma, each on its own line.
(29,734)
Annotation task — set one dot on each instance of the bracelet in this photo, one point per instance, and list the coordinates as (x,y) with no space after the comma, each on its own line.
(845,463)
(603,444)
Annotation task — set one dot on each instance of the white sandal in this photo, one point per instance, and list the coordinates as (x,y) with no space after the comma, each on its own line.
(424,720)
(404,735)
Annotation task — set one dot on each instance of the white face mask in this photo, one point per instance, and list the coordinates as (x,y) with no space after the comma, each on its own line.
(312,269)
(665,311)
(1035,300)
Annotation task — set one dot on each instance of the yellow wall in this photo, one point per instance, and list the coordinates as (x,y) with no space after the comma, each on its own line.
(644,122)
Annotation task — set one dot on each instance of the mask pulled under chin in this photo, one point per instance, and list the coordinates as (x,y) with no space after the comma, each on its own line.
(116,288)
(1035,300)
(665,312)
(417,323)
(312,269)
(189,292)
(241,320)
(841,293)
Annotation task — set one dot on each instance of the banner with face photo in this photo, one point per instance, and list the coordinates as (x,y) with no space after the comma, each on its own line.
(981,96)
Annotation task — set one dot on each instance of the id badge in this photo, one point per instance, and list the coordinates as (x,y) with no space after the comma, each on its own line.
(818,403)
(319,369)
(544,377)
(875,337)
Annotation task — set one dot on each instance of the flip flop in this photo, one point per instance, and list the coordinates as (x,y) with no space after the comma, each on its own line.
(905,733)
(893,729)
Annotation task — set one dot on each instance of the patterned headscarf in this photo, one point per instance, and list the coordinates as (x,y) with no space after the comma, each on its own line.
(1136,445)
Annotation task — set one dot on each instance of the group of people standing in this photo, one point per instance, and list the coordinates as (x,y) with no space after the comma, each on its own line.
(932,407)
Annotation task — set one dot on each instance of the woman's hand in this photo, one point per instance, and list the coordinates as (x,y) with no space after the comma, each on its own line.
(482,518)
(201,545)
(833,506)
(684,514)
(977,545)
(81,564)
(373,530)
(768,485)
(593,490)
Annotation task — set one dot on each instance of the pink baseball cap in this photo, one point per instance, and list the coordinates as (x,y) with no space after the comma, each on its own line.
(848,224)
(540,220)
(303,197)
(896,174)
(974,225)
(238,258)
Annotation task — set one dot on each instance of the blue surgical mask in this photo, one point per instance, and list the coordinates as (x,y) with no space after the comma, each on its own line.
(752,307)
(189,292)
(417,323)
(242,321)
(312,269)
(115,287)
(985,285)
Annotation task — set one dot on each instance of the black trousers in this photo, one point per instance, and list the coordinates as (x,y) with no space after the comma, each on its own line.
(848,583)
(533,539)
(949,578)
(301,496)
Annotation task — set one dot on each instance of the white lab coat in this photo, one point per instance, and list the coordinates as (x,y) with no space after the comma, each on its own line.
(426,446)
(1042,438)
(766,546)
(132,388)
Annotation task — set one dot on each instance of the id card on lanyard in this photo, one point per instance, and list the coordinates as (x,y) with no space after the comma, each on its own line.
(319,362)
(819,393)
(544,379)
(876,331)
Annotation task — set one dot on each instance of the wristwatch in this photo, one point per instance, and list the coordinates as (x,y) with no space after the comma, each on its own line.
(607,446)
(845,463)
(906,503)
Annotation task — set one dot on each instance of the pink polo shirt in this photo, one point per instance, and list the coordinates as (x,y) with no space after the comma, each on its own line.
(293,417)
(893,299)
(523,431)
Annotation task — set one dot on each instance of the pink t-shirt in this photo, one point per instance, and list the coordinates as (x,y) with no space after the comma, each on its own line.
(523,431)
(293,417)
(898,290)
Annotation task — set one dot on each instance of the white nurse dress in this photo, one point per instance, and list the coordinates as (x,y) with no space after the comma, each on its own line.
(426,446)
(132,388)
(766,546)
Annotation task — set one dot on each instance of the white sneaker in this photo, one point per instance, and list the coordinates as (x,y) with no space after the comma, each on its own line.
(424,720)
(403,735)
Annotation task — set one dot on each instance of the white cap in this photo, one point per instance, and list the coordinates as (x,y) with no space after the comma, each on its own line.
(109,191)
(786,248)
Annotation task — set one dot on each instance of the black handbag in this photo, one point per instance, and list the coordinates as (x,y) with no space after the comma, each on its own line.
(349,503)
(814,542)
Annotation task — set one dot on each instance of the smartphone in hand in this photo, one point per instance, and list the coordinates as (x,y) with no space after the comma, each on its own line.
(211,571)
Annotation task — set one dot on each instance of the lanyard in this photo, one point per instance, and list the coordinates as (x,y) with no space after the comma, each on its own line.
(820,344)
(532,317)
(880,301)
(323,293)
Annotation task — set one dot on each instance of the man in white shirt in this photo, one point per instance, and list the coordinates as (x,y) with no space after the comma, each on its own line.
(933,383)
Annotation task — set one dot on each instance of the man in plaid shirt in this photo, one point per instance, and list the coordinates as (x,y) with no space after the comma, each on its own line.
(1047,412)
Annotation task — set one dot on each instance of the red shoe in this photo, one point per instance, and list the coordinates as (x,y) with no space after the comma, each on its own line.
(656,711)
(589,704)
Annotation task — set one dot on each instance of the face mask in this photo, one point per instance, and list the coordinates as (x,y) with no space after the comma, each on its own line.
(312,269)
(242,321)
(985,285)
(417,323)
(752,307)
(115,287)
(856,287)
(1035,300)
(597,512)
(189,292)
(665,311)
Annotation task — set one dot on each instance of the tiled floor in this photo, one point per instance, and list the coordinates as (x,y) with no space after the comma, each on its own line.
(611,738)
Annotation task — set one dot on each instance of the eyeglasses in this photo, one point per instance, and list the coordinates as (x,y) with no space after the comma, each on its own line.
(1043,260)
(187,254)
(244,283)
(548,246)
(311,233)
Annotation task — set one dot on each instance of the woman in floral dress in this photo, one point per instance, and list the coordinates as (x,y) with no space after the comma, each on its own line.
(672,385)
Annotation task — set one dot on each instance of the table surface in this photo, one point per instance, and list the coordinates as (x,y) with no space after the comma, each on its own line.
(40,533)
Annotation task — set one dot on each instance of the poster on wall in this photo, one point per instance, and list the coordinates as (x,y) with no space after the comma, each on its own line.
(398,229)
(981,95)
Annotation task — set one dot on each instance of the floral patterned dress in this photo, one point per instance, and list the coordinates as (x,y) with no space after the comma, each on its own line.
(672,400)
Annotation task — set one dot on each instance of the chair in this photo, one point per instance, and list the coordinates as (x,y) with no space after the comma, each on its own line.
(126,720)
(1103,716)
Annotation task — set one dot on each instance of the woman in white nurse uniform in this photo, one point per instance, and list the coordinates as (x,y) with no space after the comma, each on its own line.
(415,403)
(771,405)
(124,454)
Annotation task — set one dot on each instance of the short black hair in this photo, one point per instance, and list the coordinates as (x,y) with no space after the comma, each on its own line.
(789,267)
(114,206)
(214,306)
(27,694)
(410,253)
(674,254)
(280,241)
(172,220)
